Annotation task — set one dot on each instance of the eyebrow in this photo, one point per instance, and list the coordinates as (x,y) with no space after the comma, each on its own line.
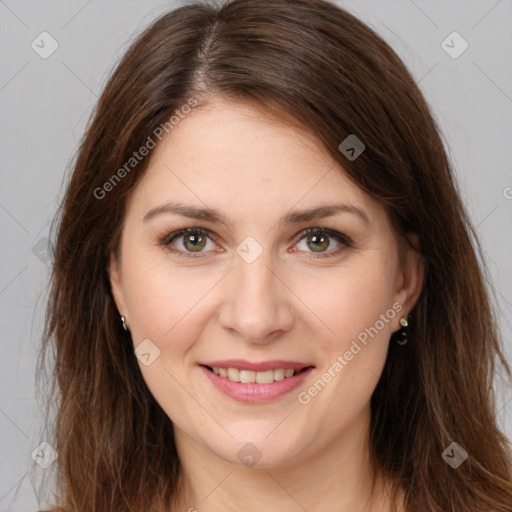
(295,217)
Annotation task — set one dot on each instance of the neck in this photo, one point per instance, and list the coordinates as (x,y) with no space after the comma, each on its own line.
(338,477)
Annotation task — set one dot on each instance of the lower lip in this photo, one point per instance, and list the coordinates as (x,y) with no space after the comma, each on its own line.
(252,392)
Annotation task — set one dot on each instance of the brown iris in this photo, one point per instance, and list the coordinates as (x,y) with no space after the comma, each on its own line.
(196,241)
(322,240)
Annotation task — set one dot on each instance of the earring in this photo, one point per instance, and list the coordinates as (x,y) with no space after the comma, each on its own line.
(124,323)
(401,335)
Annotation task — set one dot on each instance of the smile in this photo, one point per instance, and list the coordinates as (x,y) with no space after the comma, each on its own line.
(251,386)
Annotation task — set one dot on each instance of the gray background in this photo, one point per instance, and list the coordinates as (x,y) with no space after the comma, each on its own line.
(45,103)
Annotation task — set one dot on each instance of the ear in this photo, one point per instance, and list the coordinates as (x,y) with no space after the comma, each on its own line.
(114,272)
(410,279)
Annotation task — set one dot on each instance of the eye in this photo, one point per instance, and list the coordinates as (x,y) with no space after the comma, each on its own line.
(194,240)
(318,239)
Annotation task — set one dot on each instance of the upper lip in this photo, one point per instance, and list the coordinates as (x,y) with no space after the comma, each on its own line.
(262,366)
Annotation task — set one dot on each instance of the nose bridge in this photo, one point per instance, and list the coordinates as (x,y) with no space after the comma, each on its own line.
(255,277)
(255,301)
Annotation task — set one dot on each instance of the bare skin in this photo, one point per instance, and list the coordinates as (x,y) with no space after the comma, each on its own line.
(301,299)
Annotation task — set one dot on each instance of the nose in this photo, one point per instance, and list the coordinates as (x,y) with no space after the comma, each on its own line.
(256,301)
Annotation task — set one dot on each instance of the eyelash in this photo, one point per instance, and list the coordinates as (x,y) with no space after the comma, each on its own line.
(340,237)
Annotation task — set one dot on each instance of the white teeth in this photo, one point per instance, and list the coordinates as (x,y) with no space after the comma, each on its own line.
(279,374)
(247,376)
(265,377)
(234,375)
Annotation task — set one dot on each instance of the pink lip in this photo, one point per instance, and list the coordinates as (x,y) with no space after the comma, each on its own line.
(243,364)
(252,392)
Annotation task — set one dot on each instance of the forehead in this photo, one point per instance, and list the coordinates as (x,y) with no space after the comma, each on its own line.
(233,157)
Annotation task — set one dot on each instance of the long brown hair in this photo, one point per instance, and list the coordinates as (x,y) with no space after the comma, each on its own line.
(313,62)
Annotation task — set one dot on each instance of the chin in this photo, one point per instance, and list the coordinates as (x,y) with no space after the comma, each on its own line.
(256,453)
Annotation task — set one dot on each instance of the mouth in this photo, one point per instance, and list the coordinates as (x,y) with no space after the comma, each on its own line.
(255,383)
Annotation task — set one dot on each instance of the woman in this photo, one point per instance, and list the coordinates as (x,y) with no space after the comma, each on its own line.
(265,292)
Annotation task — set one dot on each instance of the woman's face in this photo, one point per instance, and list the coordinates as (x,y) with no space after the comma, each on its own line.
(253,287)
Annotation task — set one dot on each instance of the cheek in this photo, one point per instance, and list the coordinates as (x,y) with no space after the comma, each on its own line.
(169,307)
(167,303)
(357,309)
(356,305)
(352,299)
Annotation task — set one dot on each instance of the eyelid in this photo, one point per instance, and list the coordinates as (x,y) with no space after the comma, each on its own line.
(341,238)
